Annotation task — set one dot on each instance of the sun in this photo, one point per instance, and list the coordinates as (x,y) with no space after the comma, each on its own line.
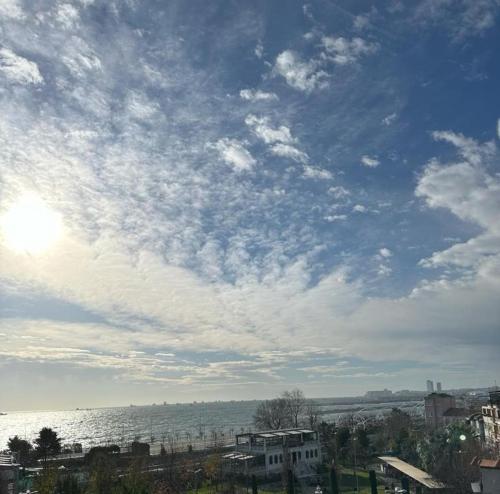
(30,226)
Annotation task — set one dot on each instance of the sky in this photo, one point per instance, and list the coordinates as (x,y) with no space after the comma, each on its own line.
(227,199)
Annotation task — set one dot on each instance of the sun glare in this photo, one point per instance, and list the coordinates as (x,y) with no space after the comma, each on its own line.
(30,226)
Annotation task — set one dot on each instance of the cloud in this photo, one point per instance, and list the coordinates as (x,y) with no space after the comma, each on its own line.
(287,151)
(11,9)
(370,162)
(472,193)
(259,50)
(262,129)
(67,15)
(468,148)
(361,21)
(336,217)
(257,95)
(279,138)
(389,119)
(301,75)
(385,252)
(339,192)
(234,153)
(317,173)
(343,51)
(18,69)
(462,19)
(359,208)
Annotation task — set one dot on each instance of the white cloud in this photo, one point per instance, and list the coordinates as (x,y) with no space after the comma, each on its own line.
(385,252)
(234,153)
(11,9)
(343,51)
(472,193)
(259,50)
(257,95)
(361,21)
(140,107)
(19,69)
(301,75)
(369,161)
(470,149)
(359,208)
(339,192)
(336,217)
(461,18)
(317,173)
(67,15)
(80,58)
(288,151)
(268,134)
(389,119)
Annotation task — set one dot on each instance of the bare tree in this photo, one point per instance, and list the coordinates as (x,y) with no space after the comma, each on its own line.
(295,404)
(272,414)
(311,414)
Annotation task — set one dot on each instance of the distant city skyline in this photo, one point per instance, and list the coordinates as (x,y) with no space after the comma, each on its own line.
(225,200)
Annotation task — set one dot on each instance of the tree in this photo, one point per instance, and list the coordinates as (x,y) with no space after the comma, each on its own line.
(311,415)
(272,414)
(47,443)
(21,447)
(343,441)
(295,403)
(448,453)
(46,482)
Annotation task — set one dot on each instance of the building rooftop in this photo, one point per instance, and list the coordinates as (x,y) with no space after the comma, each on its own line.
(438,395)
(7,460)
(424,478)
(277,433)
(484,463)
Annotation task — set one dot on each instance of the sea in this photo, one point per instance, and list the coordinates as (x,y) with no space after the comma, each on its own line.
(200,425)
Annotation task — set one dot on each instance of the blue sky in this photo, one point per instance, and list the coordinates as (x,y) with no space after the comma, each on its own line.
(250,196)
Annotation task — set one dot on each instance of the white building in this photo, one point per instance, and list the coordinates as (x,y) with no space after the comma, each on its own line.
(273,452)
(430,386)
(491,420)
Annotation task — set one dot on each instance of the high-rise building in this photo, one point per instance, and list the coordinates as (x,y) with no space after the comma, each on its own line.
(430,386)
(438,387)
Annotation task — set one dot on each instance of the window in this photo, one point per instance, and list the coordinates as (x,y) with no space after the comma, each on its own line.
(307,453)
(311,453)
(316,453)
(281,458)
(270,459)
(276,459)
(300,455)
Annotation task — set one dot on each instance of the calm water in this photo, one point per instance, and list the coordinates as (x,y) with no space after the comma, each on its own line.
(200,424)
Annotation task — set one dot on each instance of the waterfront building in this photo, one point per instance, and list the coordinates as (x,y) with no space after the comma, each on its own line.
(430,386)
(273,452)
(379,395)
(491,419)
(438,387)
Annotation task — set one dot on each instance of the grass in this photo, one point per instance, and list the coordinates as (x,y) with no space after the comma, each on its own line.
(347,481)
